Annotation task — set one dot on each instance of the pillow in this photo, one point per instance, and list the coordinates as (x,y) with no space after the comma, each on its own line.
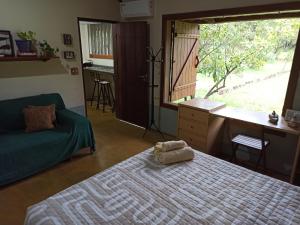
(48,107)
(37,119)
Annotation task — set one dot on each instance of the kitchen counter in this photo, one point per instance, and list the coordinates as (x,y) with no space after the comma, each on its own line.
(105,73)
(101,69)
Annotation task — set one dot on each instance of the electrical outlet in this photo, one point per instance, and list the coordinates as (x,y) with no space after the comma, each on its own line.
(74,71)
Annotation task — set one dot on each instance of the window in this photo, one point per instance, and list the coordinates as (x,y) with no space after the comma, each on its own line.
(100,40)
(257,72)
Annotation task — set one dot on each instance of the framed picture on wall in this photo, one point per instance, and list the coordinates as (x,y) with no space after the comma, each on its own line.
(6,44)
(67,38)
(292,114)
(69,55)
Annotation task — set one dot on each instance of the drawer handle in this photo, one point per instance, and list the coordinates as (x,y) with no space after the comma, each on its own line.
(192,114)
(192,127)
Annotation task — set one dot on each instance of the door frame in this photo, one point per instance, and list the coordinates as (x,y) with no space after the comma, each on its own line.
(83,19)
(258,12)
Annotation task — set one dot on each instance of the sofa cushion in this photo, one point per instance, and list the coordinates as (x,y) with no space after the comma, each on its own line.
(50,108)
(11,111)
(37,119)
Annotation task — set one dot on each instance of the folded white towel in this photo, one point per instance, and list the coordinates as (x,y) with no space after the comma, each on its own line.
(174,156)
(169,145)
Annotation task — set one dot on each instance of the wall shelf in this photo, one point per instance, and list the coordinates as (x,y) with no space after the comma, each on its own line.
(25,58)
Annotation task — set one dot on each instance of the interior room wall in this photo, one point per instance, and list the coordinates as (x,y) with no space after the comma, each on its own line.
(85,48)
(50,19)
(282,148)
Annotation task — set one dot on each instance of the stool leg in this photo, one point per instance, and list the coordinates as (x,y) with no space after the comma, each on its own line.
(93,93)
(107,95)
(103,98)
(99,95)
(112,98)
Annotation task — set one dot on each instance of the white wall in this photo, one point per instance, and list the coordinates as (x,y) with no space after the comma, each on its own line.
(49,19)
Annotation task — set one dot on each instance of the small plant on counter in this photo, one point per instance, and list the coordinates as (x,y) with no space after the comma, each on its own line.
(47,50)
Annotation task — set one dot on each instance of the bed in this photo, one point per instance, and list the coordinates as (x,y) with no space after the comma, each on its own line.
(206,190)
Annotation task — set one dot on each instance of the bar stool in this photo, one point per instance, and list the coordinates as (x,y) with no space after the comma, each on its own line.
(105,92)
(96,79)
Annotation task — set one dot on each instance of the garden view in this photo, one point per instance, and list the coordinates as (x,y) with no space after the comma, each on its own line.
(247,64)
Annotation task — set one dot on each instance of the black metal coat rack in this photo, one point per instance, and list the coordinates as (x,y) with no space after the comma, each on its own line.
(153,60)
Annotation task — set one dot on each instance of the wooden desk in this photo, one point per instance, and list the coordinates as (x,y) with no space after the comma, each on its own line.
(262,119)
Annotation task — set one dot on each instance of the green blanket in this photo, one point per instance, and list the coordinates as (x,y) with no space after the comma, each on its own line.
(23,154)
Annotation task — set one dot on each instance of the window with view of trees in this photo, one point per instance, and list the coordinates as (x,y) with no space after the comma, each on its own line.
(247,64)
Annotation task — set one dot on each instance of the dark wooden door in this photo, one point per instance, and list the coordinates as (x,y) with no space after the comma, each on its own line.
(131,72)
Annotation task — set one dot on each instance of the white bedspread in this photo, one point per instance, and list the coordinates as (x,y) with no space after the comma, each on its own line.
(206,190)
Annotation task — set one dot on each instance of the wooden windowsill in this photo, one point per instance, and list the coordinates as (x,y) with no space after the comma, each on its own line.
(96,56)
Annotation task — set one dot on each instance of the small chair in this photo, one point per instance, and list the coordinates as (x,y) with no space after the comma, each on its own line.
(259,144)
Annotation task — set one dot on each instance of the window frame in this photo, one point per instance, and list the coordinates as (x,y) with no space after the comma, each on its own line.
(259,12)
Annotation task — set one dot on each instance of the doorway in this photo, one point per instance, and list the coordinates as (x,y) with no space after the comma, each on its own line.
(115,69)
(97,65)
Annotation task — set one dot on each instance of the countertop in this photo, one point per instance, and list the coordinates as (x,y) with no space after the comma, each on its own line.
(101,69)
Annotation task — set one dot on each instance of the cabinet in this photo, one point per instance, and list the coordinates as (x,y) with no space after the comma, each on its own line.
(198,127)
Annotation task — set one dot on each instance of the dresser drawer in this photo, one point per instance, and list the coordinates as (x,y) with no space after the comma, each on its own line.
(194,140)
(193,114)
(200,128)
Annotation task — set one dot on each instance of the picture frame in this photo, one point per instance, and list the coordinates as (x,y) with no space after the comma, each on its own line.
(69,55)
(290,114)
(6,44)
(67,39)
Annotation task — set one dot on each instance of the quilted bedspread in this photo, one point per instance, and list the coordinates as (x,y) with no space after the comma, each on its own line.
(206,190)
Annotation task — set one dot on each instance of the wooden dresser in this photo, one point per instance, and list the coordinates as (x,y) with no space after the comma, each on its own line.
(198,127)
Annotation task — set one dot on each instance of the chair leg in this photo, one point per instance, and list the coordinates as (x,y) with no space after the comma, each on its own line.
(234,148)
(265,159)
(93,94)
(259,159)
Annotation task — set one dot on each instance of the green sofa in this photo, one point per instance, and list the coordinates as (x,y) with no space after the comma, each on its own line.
(23,154)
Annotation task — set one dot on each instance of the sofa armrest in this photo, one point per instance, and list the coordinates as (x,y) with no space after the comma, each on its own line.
(78,125)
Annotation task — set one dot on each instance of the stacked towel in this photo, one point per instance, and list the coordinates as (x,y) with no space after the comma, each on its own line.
(172,152)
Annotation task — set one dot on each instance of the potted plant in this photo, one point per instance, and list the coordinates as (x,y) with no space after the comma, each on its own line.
(26,42)
(47,50)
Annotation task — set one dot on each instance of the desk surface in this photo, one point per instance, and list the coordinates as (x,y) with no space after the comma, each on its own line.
(203,104)
(259,118)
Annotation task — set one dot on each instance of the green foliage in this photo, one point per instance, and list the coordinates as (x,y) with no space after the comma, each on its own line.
(228,48)
(29,36)
(47,50)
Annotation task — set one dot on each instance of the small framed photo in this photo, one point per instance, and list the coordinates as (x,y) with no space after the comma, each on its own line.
(69,55)
(290,114)
(6,44)
(67,39)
